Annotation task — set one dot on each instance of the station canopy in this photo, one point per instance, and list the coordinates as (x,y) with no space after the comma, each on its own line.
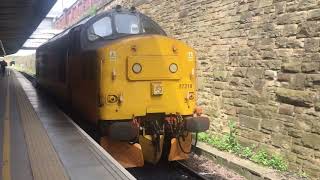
(18,19)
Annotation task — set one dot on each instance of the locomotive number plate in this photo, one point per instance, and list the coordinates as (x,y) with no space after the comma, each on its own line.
(185,86)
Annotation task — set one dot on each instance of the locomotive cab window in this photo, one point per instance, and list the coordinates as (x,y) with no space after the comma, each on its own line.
(100,29)
(127,24)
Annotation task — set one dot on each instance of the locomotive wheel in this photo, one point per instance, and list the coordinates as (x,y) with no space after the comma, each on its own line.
(128,155)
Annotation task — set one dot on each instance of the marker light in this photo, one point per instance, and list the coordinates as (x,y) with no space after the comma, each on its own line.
(137,68)
(173,68)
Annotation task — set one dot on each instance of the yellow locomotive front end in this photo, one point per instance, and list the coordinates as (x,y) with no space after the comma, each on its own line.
(147,74)
(147,90)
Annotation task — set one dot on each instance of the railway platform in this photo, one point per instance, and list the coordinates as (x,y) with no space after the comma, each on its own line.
(38,141)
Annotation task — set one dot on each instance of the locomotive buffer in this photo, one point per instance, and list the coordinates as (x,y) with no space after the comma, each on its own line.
(38,141)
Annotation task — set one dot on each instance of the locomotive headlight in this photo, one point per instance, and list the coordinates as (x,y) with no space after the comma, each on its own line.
(112,98)
(173,68)
(137,68)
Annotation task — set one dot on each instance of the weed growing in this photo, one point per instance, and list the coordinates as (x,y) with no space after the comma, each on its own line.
(230,144)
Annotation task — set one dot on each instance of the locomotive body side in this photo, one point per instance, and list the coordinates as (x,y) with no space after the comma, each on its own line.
(51,68)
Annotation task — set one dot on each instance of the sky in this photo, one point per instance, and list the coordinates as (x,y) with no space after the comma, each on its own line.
(57,9)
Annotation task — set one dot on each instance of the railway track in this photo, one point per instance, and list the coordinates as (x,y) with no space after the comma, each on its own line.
(166,171)
(190,171)
(162,171)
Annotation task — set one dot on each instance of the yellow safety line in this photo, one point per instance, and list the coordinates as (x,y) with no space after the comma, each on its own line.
(6,175)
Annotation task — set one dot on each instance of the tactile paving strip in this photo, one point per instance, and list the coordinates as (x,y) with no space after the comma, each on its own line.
(44,161)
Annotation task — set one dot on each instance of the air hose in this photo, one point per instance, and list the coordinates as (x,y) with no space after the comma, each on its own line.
(180,131)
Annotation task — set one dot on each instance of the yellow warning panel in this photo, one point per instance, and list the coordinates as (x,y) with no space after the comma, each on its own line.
(128,155)
(150,152)
(176,153)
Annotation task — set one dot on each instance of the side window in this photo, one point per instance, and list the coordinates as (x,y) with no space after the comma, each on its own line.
(100,29)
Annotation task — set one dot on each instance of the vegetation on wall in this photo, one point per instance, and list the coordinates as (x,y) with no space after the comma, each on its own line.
(230,144)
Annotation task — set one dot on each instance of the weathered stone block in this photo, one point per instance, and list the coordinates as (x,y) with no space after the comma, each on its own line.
(313,79)
(307,4)
(254,135)
(308,29)
(265,111)
(234,81)
(294,97)
(295,133)
(240,72)
(284,77)
(286,109)
(292,67)
(311,141)
(294,43)
(297,81)
(230,110)
(271,125)
(281,42)
(259,85)
(265,3)
(312,169)
(255,73)
(314,15)
(227,94)
(303,122)
(271,75)
(220,85)
(200,83)
(317,107)
(282,141)
(239,103)
(247,83)
(246,17)
(220,75)
(291,157)
(280,7)
(309,67)
(290,30)
(250,122)
(301,150)
(311,45)
(264,43)
(291,18)
(246,111)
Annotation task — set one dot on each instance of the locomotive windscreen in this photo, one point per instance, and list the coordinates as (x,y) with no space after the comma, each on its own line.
(124,24)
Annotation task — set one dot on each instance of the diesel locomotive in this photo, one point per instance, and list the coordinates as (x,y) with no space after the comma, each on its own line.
(120,71)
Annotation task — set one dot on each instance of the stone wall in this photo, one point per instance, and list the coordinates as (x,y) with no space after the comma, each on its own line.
(258,65)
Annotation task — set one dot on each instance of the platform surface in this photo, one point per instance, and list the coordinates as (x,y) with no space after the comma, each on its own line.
(38,141)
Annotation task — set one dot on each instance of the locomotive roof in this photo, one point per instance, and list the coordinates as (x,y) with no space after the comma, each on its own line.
(87,18)
(64,34)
